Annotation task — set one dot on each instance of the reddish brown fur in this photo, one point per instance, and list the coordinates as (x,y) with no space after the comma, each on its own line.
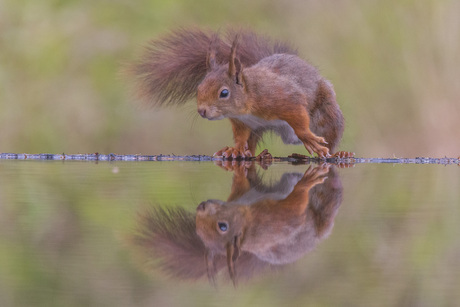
(270,88)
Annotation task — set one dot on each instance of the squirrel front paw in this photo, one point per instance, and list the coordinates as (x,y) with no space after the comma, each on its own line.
(233,153)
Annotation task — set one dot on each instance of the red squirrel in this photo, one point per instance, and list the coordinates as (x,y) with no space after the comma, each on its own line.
(258,84)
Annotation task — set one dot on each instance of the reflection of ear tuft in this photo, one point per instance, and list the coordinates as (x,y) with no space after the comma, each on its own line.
(236,246)
(233,252)
(210,266)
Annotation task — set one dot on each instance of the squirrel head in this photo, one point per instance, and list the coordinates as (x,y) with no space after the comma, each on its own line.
(221,228)
(222,92)
(218,224)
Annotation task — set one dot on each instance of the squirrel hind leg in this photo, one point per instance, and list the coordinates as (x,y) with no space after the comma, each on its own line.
(326,117)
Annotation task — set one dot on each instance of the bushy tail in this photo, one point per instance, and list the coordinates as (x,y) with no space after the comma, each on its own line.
(172,67)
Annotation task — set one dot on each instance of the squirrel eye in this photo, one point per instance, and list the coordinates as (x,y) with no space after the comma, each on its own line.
(224,93)
(222,226)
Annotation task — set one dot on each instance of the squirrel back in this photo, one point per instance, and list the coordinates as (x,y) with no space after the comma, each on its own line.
(325,115)
(173,66)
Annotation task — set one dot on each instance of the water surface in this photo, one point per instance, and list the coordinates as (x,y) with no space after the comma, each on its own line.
(121,234)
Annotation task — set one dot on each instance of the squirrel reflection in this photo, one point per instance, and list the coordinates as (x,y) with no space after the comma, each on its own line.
(259,227)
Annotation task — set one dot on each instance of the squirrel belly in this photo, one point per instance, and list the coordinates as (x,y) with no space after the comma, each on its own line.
(280,127)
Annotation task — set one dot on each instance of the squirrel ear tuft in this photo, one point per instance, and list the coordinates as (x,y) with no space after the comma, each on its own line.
(211,55)
(235,67)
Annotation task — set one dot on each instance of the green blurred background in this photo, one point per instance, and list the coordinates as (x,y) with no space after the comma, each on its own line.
(394,65)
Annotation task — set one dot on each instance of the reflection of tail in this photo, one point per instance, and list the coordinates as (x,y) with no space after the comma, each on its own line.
(169,236)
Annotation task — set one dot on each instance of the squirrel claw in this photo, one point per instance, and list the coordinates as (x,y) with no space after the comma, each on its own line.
(220,152)
(323,153)
(314,146)
(232,153)
(237,154)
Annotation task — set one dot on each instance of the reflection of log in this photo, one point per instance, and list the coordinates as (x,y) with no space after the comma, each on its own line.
(293,158)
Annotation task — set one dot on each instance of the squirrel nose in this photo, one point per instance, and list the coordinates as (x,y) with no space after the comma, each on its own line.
(201,206)
(202,112)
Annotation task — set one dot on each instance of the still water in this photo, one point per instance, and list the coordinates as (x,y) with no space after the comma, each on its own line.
(201,234)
